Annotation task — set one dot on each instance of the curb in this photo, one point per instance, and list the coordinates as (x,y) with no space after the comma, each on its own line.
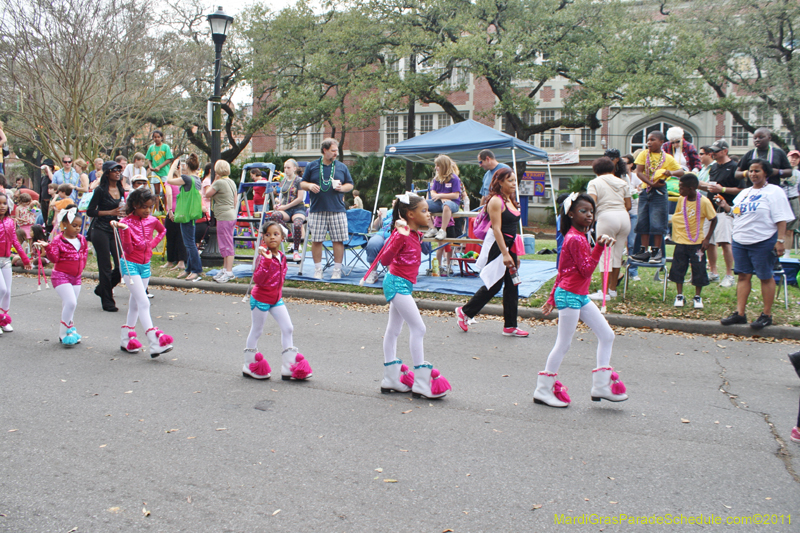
(701,327)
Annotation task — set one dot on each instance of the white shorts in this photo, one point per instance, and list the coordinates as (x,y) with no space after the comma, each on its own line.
(724,230)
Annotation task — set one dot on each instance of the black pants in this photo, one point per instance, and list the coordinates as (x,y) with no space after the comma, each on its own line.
(200,232)
(104,247)
(175,249)
(510,292)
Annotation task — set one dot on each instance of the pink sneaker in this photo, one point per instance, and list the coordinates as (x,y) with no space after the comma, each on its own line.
(514,332)
(796,434)
(462,319)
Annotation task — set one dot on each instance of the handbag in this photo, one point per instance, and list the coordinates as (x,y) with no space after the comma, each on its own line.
(83,205)
(519,246)
(189,206)
(482,224)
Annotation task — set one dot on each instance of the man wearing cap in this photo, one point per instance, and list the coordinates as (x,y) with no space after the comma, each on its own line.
(792,192)
(723,181)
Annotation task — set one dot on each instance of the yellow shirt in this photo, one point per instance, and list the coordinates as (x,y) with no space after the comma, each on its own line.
(707,212)
(655,162)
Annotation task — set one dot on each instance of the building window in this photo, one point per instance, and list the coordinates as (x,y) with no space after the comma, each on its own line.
(316,137)
(301,141)
(739,136)
(639,137)
(426,123)
(395,128)
(443,120)
(548,138)
(588,138)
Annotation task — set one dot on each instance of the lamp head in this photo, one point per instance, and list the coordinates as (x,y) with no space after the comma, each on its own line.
(220,24)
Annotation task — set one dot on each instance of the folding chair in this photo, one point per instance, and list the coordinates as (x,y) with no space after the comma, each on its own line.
(358,222)
(659,266)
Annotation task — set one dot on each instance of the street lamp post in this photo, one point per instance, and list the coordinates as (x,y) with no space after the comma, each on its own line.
(220,24)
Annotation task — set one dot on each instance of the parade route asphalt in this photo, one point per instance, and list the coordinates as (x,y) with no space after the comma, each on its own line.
(93,439)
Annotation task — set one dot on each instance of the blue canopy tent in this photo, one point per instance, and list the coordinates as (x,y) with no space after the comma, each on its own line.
(462,142)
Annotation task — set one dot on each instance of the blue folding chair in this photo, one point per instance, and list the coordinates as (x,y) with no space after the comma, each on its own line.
(358,222)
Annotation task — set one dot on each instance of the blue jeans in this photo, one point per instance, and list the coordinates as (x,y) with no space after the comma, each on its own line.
(653,212)
(193,265)
(437,206)
(634,271)
(374,246)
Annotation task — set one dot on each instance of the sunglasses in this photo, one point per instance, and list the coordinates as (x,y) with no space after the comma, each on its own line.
(66,162)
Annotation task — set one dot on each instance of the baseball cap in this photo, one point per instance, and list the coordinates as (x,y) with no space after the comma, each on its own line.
(718,146)
(794,152)
(111,165)
(139,178)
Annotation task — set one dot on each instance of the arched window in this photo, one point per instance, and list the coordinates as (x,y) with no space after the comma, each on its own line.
(638,137)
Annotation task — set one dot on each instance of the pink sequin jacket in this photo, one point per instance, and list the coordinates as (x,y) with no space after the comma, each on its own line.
(138,241)
(403,254)
(576,264)
(8,238)
(268,279)
(65,257)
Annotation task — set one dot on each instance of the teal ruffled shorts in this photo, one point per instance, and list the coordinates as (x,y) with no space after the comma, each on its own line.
(134,269)
(566,299)
(394,285)
(262,306)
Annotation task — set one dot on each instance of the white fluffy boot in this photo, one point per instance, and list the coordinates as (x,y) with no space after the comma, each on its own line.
(160,342)
(395,377)
(294,365)
(428,382)
(128,341)
(549,391)
(606,385)
(255,366)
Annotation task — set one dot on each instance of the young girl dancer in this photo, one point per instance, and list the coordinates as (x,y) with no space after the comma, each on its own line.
(8,238)
(570,296)
(137,241)
(265,299)
(402,254)
(67,251)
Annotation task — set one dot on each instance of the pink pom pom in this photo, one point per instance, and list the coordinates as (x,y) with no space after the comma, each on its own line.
(614,376)
(301,369)
(439,384)
(560,392)
(5,319)
(134,344)
(261,366)
(618,387)
(406,377)
(164,339)
(131,334)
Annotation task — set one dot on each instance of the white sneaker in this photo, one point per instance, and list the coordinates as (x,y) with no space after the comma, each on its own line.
(296,257)
(728,281)
(337,273)
(698,302)
(225,277)
(441,235)
(636,278)
(610,295)
(318,273)
(219,274)
(372,278)
(679,301)
(713,278)
(7,328)
(431,233)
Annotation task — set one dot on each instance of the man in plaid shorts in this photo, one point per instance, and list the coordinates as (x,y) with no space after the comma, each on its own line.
(327,181)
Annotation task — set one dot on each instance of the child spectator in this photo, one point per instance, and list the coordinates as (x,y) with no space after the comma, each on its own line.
(63,199)
(24,215)
(688,223)
(268,279)
(357,202)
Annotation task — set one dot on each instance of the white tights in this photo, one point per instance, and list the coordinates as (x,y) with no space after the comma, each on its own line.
(139,304)
(568,323)
(69,301)
(403,308)
(257,320)
(5,286)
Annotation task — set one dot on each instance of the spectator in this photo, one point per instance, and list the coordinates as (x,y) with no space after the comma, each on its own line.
(789,185)
(201,225)
(24,216)
(3,141)
(258,192)
(81,165)
(62,200)
(488,163)
(105,208)
(136,169)
(781,168)
(68,176)
(327,212)
(684,152)
(358,203)
(653,167)
(612,198)
(47,169)
(160,155)
(444,195)
(383,228)
(290,205)
(97,172)
(176,252)
(223,196)
(760,214)
(194,268)
(723,181)
(633,185)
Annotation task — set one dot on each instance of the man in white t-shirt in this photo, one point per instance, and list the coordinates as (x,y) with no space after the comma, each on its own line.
(488,163)
(136,169)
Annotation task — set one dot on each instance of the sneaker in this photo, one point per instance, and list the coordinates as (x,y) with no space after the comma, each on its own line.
(219,274)
(713,278)
(296,257)
(599,295)
(727,281)
(150,295)
(698,302)
(761,322)
(679,301)
(735,318)
(7,328)
(225,277)
(443,272)
(642,257)
(636,278)
(514,332)
(462,319)
(337,273)
(431,233)
(795,434)
(318,273)
(656,257)
(372,278)
(441,235)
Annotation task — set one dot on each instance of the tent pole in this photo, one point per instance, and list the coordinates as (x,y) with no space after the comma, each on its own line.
(377,194)
(516,177)
(552,187)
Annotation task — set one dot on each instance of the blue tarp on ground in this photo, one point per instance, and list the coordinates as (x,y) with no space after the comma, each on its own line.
(534,274)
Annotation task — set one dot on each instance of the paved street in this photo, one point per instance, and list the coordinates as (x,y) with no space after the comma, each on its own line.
(90,437)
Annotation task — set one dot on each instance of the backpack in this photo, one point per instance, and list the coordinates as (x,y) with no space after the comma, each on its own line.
(189,206)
